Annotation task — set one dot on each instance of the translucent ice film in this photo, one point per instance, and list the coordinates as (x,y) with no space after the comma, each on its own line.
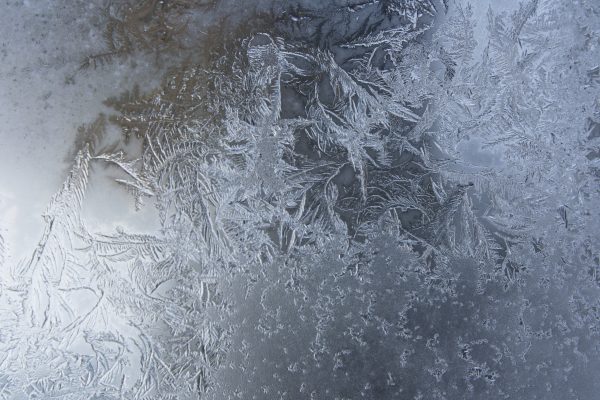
(263,199)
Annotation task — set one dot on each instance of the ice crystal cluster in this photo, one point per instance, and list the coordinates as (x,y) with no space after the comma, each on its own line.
(370,202)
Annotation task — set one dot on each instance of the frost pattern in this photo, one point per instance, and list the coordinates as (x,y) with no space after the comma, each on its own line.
(323,235)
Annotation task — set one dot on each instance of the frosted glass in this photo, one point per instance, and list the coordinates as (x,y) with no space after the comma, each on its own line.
(390,199)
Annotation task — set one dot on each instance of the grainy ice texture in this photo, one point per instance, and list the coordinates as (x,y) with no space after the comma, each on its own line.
(393,199)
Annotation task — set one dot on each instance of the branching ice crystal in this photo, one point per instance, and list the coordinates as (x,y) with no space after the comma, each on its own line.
(323,235)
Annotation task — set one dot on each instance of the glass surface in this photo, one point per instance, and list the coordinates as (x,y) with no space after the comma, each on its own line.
(380,199)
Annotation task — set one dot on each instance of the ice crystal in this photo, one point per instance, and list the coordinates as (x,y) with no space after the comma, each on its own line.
(322,234)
